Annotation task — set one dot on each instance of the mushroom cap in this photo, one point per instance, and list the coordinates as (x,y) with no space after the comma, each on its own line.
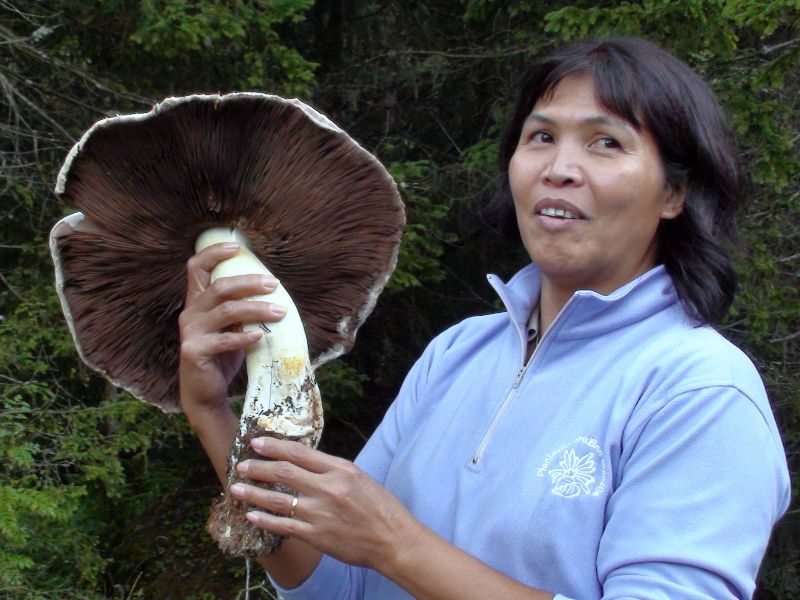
(320,211)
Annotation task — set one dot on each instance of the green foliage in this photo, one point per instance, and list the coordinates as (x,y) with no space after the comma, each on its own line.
(243,31)
(480,158)
(57,448)
(673,24)
(424,237)
(342,389)
(340,382)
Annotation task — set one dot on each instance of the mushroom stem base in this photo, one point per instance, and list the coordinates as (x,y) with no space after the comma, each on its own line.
(232,532)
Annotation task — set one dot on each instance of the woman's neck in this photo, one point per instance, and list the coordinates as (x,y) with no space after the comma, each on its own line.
(551,301)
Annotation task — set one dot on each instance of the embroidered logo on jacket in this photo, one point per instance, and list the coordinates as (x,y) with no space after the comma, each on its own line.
(575,468)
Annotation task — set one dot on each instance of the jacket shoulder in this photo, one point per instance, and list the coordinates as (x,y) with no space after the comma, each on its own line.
(471,332)
(703,356)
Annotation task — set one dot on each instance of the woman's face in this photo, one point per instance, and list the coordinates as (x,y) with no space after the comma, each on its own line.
(589,191)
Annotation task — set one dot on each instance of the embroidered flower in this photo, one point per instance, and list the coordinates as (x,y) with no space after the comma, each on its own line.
(573,475)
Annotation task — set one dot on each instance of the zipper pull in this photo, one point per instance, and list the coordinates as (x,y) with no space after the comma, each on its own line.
(520,375)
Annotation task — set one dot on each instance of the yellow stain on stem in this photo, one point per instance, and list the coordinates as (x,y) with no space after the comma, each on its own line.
(293,366)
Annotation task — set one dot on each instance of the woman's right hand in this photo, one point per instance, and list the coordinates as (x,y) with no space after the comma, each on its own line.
(212,343)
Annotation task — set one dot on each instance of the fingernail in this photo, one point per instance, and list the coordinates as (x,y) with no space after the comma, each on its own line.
(243,466)
(278,310)
(259,443)
(252,516)
(254,334)
(237,489)
(269,282)
(230,246)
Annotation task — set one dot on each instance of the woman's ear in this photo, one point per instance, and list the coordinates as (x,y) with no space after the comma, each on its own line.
(674,200)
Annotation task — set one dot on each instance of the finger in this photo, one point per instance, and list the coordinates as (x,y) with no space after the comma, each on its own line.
(199,267)
(235,312)
(298,454)
(285,526)
(201,348)
(270,500)
(232,288)
(271,471)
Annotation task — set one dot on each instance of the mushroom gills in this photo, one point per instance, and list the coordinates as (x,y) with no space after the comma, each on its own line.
(282,398)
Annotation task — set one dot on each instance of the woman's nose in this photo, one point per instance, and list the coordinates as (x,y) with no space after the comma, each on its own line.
(563,169)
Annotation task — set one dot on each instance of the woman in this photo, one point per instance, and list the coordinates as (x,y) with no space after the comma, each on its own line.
(598,439)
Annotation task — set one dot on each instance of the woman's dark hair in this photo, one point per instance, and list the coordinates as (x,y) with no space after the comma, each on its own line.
(651,89)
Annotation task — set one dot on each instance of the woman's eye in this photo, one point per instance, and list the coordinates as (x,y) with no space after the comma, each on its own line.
(607,143)
(542,137)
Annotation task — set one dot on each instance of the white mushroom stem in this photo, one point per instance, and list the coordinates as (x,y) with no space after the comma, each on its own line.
(282,396)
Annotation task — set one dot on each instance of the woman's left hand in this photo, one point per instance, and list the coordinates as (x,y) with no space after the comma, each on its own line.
(340,510)
(343,512)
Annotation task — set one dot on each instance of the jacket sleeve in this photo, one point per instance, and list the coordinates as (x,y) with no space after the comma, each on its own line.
(701,482)
(336,580)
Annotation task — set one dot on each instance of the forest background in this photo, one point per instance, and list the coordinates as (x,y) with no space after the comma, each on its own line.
(102,496)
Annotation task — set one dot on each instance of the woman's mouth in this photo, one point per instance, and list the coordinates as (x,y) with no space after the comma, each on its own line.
(558,208)
(557,212)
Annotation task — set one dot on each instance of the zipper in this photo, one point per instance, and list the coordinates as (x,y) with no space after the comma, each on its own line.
(476,458)
(487,437)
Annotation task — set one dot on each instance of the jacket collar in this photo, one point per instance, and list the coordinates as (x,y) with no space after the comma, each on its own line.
(589,313)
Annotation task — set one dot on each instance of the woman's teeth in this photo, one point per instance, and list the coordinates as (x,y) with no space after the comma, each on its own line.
(557,212)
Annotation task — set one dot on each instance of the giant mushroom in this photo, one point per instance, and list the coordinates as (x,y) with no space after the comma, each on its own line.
(304,200)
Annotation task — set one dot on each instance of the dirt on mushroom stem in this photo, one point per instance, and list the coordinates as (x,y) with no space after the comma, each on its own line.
(234,534)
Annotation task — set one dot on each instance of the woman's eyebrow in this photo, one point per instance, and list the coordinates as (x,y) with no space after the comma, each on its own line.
(539,117)
(592,120)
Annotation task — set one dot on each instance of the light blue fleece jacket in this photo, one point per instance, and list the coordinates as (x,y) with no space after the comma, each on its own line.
(634,456)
